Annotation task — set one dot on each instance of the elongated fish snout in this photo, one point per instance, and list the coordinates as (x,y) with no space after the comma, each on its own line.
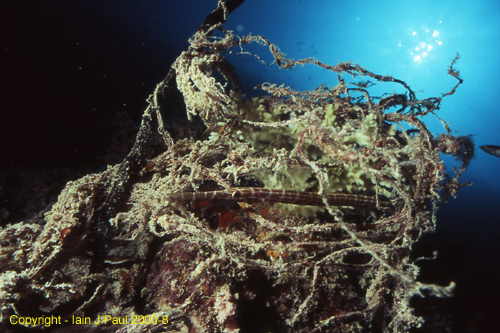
(492,150)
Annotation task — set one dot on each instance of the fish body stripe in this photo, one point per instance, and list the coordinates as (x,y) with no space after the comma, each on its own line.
(256,194)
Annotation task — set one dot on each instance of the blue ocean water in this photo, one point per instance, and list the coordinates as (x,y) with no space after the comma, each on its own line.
(415,42)
(96,56)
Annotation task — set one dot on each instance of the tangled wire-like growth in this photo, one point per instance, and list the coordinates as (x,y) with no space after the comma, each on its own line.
(340,270)
(120,243)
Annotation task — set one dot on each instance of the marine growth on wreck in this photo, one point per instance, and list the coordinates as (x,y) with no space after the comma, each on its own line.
(146,247)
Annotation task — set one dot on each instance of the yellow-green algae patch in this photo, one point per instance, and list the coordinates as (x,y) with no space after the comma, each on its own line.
(117,243)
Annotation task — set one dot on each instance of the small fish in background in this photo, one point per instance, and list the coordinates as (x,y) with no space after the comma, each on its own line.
(492,150)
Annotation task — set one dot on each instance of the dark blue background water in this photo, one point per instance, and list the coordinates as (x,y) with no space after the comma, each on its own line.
(67,68)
